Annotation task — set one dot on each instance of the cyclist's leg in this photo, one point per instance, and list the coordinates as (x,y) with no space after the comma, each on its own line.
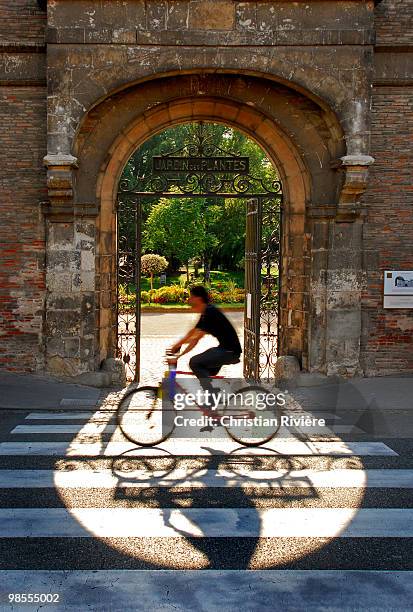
(209,363)
(205,365)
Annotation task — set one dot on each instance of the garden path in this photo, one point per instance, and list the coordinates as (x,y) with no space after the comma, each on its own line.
(161,330)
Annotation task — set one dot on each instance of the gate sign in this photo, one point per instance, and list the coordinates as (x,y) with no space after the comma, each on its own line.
(223,165)
(398,289)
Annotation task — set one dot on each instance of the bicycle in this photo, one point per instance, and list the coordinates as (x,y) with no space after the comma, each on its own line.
(147,415)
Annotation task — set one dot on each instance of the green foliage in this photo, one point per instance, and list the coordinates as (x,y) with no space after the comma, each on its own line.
(208,228)
(226,291)
(122,291)
(153,264)
(235,296)
(221,278)
(225,288)
(226,227)
(176,228)
(196,263)
(170,295)
(126,298)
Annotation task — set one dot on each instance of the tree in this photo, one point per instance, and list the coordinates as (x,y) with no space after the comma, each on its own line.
(226,233)
(197,263)
(153,264)
(176,228)
(222,220)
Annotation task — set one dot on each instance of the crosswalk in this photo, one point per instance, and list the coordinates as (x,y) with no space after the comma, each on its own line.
(302,523)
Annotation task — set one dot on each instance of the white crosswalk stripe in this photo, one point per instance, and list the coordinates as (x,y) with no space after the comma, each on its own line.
(192,447)
(107,415)
(90,417)
(207,522)
(220,478)
(102,427)
(102,492)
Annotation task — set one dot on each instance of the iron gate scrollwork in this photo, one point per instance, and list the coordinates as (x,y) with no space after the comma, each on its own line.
(270,286)
(202,169)
(128,303)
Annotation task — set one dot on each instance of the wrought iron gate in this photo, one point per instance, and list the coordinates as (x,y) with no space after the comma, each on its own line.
(252,290)
(202,169)
(262,287)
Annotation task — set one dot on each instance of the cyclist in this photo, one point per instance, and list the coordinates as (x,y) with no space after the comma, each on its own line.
(212,321)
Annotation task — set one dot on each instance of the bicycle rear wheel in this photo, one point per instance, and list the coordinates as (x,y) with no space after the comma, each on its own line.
(141,418)
(251,420)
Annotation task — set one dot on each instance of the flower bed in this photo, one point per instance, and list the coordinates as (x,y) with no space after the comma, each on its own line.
(166,295)
(176,295)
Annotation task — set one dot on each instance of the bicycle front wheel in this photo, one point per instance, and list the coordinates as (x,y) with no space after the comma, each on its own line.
(250,419)
(141,418)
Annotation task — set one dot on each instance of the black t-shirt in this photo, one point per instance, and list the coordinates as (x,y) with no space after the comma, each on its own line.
(214,322)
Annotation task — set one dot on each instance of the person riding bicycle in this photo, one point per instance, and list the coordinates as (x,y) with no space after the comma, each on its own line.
(212,321)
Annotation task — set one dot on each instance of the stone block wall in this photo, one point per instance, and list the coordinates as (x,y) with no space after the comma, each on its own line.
(70,305)
(322,46)
(319,46)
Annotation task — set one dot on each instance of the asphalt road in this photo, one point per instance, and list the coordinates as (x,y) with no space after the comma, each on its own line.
(331,530)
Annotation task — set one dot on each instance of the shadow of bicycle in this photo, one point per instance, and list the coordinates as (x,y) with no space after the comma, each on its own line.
(211,502)
(209,506)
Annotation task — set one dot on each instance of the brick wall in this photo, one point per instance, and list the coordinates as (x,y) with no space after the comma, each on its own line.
(387,337)
(387,341)
(22,180)
(22,286)
(394,22)
(388,232)
(21,21)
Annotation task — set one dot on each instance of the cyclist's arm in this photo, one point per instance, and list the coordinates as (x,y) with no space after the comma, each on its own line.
(191,340)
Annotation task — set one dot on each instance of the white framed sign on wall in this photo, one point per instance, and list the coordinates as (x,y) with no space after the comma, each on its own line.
(398,289)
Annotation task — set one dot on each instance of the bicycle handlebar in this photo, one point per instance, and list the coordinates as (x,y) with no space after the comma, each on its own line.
(172,358)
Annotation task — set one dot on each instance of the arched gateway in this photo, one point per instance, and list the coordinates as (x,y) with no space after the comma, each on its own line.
(201,169)
(273,140)
(310,119)
(301,138)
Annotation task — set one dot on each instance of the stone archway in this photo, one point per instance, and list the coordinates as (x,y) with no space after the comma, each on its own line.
(303,139)
(293,176)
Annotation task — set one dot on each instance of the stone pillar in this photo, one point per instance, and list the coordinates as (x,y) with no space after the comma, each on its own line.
(343,298)
(345,276)
(337,277)
(319,229)
(70,301)
(295,266)
(70,276)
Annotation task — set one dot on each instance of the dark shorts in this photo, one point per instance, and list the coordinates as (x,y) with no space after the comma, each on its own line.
(211,361)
